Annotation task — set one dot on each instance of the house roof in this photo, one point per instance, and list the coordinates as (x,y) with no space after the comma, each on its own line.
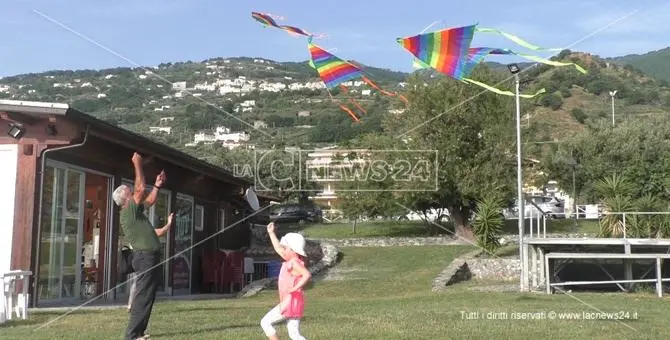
(121,136)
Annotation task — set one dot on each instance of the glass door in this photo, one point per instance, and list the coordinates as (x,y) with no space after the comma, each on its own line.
(62,218)
(158,217)
(183,240)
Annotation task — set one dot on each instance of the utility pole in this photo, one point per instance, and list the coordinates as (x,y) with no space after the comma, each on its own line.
(514,69)
(612,94)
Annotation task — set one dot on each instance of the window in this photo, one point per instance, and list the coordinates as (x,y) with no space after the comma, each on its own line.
(199,219)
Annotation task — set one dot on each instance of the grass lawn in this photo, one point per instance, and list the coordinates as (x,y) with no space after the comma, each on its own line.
(375,293)
(419,229)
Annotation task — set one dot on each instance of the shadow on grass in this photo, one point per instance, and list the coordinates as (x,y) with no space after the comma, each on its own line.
(21,323)
(41,317)
(203,330)
(202,309)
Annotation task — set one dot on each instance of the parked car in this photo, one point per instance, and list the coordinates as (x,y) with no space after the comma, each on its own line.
(297,213)
(552,207)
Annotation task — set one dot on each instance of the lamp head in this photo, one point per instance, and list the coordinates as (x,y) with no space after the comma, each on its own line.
(513,68)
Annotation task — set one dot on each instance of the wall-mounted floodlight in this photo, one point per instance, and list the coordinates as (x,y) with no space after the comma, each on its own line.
(16,131)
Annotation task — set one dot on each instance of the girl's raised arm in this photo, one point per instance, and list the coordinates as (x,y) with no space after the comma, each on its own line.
(275,241)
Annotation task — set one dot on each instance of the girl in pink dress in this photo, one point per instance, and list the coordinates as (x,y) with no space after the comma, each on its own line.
(292,277)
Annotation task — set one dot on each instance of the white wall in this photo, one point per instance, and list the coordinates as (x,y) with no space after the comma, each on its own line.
(8,159)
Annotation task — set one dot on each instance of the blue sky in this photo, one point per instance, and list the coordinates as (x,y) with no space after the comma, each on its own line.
(148,32)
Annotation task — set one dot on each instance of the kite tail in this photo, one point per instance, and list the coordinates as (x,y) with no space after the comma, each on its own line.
(265,19)
(352,100)
(343,88)
(292,30)
(504,93)
(418,64)
(358,106)
(276,17)
(376,87)
(384,92)
(549,62)
(351,113)
(478,54)
(517,40)
(343,107)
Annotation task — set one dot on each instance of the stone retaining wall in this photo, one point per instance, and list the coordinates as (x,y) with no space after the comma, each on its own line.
(498,269)
(393,241)
(425,241)
(472,267)
(457,271)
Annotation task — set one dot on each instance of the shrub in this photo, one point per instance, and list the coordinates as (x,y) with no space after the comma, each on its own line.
(488,223)
(565,92)
(553,101)
(578,115)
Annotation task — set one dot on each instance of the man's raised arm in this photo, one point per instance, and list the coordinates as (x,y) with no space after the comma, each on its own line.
(153,195)
(138,193)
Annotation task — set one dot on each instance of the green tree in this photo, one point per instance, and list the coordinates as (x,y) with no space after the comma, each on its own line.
(368,178)
(637,150)
(473,137)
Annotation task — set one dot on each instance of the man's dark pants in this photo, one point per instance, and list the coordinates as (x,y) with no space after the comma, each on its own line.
(146,269)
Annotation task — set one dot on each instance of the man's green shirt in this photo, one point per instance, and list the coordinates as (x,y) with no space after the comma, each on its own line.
(137,230)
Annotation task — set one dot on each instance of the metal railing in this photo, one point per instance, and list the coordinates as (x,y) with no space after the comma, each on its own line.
(538,219)
(632,213)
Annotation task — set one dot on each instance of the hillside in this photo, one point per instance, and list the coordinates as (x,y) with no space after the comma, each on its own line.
(193,97)
(574,100)
(288,103)
(655,63)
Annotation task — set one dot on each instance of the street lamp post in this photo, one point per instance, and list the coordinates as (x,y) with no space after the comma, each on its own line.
(612,94)
(573,164)
(514,69)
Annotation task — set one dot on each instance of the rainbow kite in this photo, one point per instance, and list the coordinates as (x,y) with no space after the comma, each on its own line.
(334,72)
(448,51)
(445,50)
(268,20)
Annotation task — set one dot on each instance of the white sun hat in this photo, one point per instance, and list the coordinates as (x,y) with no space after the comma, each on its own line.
(294,241)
